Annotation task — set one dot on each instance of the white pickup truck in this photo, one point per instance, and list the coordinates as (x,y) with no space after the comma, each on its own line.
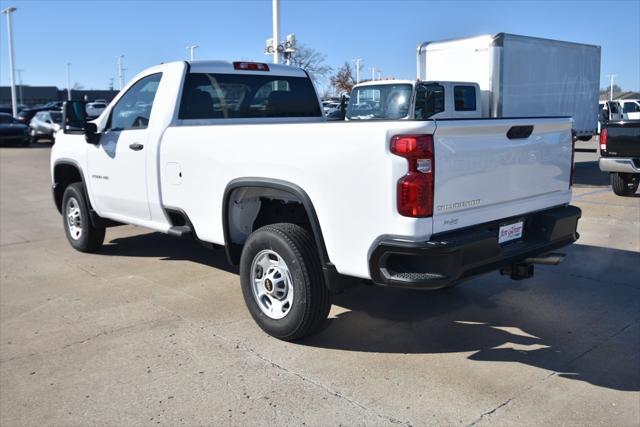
(239,154)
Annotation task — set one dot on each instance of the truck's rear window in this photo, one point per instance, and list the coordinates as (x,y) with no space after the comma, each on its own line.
(234,96)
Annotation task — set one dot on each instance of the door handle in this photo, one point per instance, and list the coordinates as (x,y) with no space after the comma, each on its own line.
(136,147)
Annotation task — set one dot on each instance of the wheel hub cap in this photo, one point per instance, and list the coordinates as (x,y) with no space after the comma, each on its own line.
(271,284)
(74,218)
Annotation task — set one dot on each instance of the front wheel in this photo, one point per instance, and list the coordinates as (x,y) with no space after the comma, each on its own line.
(624,184)
(81,233)
(282,281)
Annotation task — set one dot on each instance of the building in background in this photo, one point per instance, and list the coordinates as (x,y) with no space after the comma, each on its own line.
(31,96)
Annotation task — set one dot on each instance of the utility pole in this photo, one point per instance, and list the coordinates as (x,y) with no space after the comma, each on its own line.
(14,107)
(276,30)
(611,76)
(191,49)
(357,61)
(379,71)
(110,83)
(68,81)
(373,73)
(120,71)
(20,71)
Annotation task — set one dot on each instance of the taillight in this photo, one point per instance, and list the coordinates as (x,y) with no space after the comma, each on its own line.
(250,66)
(603,139)
(415,189)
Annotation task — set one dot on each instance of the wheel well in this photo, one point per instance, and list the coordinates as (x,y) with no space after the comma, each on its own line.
(249,208)
(63,175)
(250,203)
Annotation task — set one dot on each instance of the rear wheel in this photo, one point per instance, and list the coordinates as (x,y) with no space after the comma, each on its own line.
(282,281)
(81,233)
(624,184)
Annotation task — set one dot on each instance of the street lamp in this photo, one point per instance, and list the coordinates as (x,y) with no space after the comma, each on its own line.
(20,71)
(120,71)
(611,76)
(286,48)
(357,61)
(68,81)
(191,49)
(14,107)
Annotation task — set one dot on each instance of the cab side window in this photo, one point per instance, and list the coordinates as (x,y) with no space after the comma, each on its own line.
(631,107)
(429,101)
(134,108)
(464,98)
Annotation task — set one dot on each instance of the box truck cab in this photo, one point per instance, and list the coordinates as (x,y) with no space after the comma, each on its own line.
(521,76)
(414,100)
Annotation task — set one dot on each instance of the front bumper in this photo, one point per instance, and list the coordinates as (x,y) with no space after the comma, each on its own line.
(453,256)
(619,164)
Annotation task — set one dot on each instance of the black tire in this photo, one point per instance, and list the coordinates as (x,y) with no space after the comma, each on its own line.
(90,238)
(624,184)
(311,298)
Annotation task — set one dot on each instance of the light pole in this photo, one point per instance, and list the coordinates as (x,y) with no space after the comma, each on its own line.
(611,76)
(373,73)
(276,30)
(68,81)
(14,107)
(357,61)
(120,71)
(20,71)
(191,49)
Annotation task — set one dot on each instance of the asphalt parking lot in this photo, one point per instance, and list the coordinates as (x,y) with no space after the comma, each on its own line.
(154,330)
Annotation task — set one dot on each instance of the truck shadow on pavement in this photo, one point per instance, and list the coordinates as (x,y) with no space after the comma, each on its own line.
(588,174)
(168,248)
(578,320)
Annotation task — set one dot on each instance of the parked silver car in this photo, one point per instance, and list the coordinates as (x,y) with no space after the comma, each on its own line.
(94,109)
(44,125)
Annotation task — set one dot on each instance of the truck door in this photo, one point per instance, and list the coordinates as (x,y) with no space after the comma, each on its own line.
(117,164)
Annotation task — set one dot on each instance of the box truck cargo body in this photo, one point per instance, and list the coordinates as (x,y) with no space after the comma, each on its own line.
(521,76)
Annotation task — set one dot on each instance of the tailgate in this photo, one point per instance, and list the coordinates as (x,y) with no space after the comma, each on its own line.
(497,168)
(623,139)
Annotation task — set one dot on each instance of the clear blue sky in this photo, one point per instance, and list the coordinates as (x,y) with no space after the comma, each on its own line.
(90,34)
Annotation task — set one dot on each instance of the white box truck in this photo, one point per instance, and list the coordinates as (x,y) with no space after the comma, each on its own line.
(521,76)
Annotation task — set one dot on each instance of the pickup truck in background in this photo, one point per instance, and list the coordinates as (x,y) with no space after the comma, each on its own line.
(521,76)
(414,100)
(620,155)
(239,154)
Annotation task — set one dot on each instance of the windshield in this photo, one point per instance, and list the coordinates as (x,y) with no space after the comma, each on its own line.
(56,117)
(387,101)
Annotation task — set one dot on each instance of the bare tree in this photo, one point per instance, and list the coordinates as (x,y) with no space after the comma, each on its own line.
(343,80)
(312,61)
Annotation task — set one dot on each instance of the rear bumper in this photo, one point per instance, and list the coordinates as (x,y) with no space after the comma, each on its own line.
(451,257)
(619,164)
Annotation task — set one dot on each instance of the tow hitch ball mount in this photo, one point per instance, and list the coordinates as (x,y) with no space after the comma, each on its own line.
(524,269)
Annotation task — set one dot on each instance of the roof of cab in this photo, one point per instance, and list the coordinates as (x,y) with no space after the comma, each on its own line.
(227,67)
(386,82)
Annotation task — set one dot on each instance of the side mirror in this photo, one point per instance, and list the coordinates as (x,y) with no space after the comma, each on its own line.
(74,117)
(91,134)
